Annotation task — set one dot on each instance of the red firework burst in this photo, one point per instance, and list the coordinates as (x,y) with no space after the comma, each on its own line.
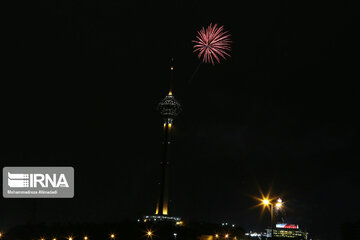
(212,43)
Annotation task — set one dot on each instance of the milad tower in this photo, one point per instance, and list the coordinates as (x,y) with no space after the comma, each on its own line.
(169,108)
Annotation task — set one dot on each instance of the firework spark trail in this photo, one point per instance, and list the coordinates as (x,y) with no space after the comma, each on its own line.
(212,44)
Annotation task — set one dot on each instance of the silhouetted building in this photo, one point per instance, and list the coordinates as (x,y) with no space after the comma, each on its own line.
(350,230)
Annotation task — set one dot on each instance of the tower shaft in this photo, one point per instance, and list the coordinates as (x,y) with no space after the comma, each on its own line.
(163,202)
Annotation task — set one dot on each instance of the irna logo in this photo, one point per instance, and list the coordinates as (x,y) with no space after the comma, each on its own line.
(38,182)
(20,180)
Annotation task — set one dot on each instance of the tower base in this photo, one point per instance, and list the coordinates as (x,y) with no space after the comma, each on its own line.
(161,218)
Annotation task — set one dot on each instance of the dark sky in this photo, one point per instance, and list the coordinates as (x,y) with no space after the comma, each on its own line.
(282,111)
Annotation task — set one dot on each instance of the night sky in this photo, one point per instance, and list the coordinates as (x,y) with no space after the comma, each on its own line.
(281,113)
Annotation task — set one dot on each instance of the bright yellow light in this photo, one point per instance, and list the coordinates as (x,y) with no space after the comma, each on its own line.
(169,125)
(179,223)
(1,234)
(70,238)
(172,68)
(216,235)
(85,238)
(266,202)
(226,235)
(112,235)
(149,233)
(54,238)
(170,92)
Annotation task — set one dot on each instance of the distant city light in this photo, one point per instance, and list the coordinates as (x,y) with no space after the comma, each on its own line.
(180,223)
(112,236)
(255,234)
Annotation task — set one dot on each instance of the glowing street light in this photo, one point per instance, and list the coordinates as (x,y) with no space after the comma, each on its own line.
(149,233)
(279,203)
(216,236)
(112,236)
(86,238)
(266,201)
